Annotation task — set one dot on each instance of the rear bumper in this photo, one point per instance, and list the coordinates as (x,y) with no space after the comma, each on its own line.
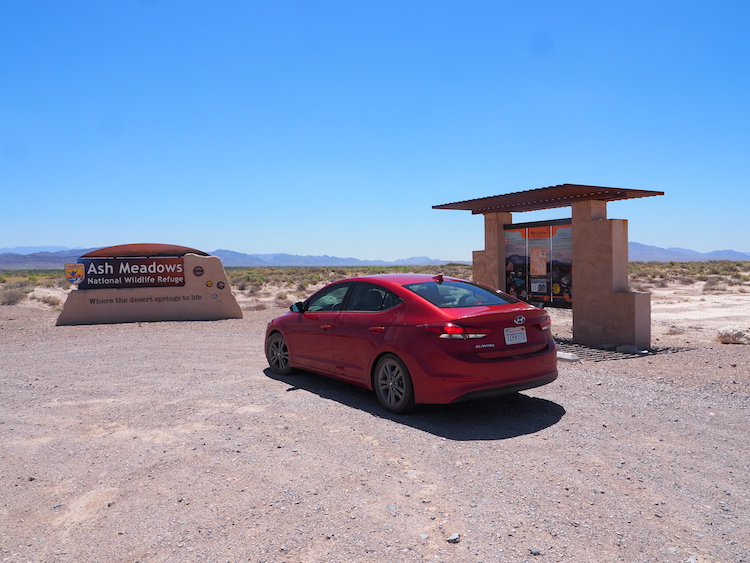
(507,389)
(447,380)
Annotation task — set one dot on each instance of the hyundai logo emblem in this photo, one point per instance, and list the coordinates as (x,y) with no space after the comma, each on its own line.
(519,320)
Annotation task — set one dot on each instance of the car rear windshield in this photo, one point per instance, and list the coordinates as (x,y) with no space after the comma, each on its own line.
(452,293)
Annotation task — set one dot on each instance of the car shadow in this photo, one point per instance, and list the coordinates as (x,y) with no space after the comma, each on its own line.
(497,418)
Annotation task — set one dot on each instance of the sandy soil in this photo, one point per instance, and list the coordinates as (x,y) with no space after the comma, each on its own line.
(174,442)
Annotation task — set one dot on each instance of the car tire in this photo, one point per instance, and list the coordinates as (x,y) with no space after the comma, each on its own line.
(393,386)
(277,354)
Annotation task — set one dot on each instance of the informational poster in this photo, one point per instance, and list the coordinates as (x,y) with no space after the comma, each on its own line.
(562,265)
(538,258)
(516,263)
(539,253)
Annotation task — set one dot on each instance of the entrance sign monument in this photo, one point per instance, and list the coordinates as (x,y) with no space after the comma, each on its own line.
(147,282)
(605,311)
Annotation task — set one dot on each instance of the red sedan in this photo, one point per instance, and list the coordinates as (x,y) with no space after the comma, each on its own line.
(416,338)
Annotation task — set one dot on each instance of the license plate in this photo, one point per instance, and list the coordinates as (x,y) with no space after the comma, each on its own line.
(515,335)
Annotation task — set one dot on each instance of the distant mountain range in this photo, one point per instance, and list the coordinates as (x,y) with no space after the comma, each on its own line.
(37,258)
(643,253)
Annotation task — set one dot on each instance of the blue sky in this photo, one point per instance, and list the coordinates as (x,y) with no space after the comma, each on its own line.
(324,127)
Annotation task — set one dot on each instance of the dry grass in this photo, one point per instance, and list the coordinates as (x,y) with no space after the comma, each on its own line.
(301,278)
(299,282)
(718,275)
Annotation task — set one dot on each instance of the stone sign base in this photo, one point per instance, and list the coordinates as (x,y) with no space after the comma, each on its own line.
(205,296)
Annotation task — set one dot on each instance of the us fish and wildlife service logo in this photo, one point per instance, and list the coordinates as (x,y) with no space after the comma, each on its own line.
(75,273)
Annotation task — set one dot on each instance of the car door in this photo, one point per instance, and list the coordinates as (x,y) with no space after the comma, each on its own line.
(369,313)
(309,335)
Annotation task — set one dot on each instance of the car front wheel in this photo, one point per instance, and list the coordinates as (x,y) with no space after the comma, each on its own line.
(277,354)
(393,386)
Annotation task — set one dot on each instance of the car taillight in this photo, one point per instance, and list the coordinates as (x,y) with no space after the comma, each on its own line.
(545,324)
(452,331)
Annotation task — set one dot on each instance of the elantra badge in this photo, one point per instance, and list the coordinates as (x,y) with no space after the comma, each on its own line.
(519,320)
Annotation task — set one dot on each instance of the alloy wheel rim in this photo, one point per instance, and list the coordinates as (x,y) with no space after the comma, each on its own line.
(279,354)
(391,383)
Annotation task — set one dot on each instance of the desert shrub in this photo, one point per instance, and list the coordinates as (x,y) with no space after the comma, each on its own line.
(685,280)
(714,283)
(255,278)
(2,279)
(11,296)
(47,299)
(281,296)
(51,300)
(23,285)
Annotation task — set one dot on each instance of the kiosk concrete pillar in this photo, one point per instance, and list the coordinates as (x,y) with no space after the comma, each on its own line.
(489,264)
(604,310)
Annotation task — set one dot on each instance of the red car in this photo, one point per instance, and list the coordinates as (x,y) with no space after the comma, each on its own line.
(416,338)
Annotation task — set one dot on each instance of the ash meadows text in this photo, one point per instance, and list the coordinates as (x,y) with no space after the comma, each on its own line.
(126,267)
(132,272)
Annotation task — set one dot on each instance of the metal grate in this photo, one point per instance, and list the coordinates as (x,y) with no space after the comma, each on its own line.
(592,354)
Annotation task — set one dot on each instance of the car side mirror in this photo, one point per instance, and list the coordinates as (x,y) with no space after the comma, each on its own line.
(298,307)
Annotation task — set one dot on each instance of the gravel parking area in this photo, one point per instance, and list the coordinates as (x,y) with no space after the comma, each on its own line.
(174,442)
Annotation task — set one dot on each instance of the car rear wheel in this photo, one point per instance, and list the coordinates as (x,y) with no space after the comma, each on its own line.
(393,386)
(277,354)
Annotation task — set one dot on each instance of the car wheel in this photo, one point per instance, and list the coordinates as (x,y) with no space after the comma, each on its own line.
(393,386)
(277,354)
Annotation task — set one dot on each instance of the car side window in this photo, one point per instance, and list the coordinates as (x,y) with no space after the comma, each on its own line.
(329,299)
(367,297)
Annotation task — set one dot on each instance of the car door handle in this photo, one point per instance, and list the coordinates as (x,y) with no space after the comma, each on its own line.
(325,326)
(377,328)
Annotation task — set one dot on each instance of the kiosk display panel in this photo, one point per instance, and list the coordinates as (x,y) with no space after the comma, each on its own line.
(538,262)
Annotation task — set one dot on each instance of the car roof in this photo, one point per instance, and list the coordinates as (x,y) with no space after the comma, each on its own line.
(398,279)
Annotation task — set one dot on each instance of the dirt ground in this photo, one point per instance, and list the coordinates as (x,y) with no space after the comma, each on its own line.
(174,442)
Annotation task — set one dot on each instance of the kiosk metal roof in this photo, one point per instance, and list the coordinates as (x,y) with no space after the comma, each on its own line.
(545,198)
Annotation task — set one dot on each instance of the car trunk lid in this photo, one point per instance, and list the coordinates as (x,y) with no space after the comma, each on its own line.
(507,331)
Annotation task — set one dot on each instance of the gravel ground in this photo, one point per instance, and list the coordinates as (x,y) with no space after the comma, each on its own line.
(174,442)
